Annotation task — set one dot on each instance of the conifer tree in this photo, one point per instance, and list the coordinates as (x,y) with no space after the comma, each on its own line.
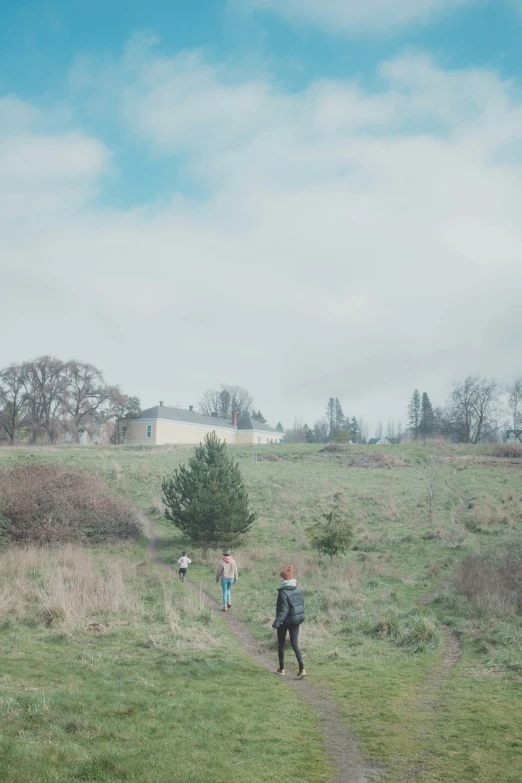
(427,418)
(414,413)
(206,499)
(333,535)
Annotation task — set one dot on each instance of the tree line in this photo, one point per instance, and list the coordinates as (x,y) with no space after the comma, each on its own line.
(335,426)
(477,410)
(43,398)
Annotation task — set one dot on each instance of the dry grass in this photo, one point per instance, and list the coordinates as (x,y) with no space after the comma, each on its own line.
(493,580)
(70,587)
(65,585)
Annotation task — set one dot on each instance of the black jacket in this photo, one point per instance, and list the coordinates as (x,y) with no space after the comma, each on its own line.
(290,607)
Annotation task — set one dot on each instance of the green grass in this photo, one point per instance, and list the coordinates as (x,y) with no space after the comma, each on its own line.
(366,639)
(141,702)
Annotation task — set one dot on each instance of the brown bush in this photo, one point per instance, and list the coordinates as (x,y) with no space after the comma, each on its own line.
(493,580)
(53,503)
(508,450)
(378,460)
(332,448)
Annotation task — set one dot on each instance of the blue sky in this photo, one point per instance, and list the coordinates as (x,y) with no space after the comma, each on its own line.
(328,155)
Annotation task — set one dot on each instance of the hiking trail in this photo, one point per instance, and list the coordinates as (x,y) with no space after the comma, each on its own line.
(340,744)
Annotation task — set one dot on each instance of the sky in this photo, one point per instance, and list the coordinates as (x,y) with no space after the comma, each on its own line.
(309,198)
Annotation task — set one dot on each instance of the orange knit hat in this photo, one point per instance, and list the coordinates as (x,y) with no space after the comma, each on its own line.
(287,573)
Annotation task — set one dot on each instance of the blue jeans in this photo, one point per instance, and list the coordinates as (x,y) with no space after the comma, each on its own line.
(226,584)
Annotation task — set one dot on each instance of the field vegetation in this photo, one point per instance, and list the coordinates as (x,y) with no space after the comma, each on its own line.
(416,631)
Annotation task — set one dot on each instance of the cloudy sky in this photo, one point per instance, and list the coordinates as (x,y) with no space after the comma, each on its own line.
(310,198)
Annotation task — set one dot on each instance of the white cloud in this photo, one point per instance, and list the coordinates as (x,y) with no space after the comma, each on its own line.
(341,16)
(351,243)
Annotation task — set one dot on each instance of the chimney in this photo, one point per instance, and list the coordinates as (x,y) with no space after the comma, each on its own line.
(191,407)
(161,403)
(234,419)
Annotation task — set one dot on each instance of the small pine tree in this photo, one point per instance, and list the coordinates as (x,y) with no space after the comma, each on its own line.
(207,499)
(356,435)
(332,536)
(280,427)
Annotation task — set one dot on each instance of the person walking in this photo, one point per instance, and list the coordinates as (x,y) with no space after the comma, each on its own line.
(227,573)
(183,564)
(289,616)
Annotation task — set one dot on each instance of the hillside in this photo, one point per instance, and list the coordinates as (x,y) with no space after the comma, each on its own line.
(424,665)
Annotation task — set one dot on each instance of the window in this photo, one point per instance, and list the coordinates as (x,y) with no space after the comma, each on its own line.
(259,440)
(268,440)
(149,430)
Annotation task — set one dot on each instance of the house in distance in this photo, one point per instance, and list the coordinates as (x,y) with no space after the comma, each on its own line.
(164,425)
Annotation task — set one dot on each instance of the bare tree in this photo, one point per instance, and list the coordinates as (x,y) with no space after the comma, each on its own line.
(391,430)
(226,400)
(45,382)
(12,400)
(515,406)
(297,433)
(86,394)
(379,432)
(474,408)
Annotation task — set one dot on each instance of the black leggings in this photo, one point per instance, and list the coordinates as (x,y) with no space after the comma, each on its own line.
(294,641)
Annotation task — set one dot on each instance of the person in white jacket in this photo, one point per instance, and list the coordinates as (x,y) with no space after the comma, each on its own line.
(183,564)
(227,573)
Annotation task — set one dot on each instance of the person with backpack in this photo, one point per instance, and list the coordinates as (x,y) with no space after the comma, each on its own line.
(289,616)
(227,574)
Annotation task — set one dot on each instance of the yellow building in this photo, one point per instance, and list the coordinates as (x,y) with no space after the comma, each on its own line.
(164,425)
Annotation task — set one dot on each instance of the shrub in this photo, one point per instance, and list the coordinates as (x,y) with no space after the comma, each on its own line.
(53,503)
(509,451)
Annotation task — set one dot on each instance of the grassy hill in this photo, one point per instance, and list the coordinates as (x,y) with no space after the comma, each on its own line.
(423,658)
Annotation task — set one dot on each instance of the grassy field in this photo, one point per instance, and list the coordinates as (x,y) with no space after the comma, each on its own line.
(370,638)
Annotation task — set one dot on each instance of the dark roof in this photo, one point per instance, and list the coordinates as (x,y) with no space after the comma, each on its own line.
(248,423)
(191,417)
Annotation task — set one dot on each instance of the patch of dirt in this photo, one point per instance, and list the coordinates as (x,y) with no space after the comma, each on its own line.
(268,458)
(378,460)
(96,627)
(333,448)
(340,744)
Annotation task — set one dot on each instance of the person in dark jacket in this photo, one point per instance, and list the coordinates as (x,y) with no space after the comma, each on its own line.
(289,616)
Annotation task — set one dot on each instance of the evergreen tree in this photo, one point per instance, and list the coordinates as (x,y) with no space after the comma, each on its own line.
(280,427)
(354,426)
(427,418)
(309,434)
(330,416)
(207,499)
(414,414)
(259,416)
(339,417)
(333,535)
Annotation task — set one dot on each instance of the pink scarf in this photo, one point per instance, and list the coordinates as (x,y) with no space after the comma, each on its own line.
(227,558)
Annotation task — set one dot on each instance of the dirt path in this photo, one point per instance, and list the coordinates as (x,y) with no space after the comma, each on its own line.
(340,744)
